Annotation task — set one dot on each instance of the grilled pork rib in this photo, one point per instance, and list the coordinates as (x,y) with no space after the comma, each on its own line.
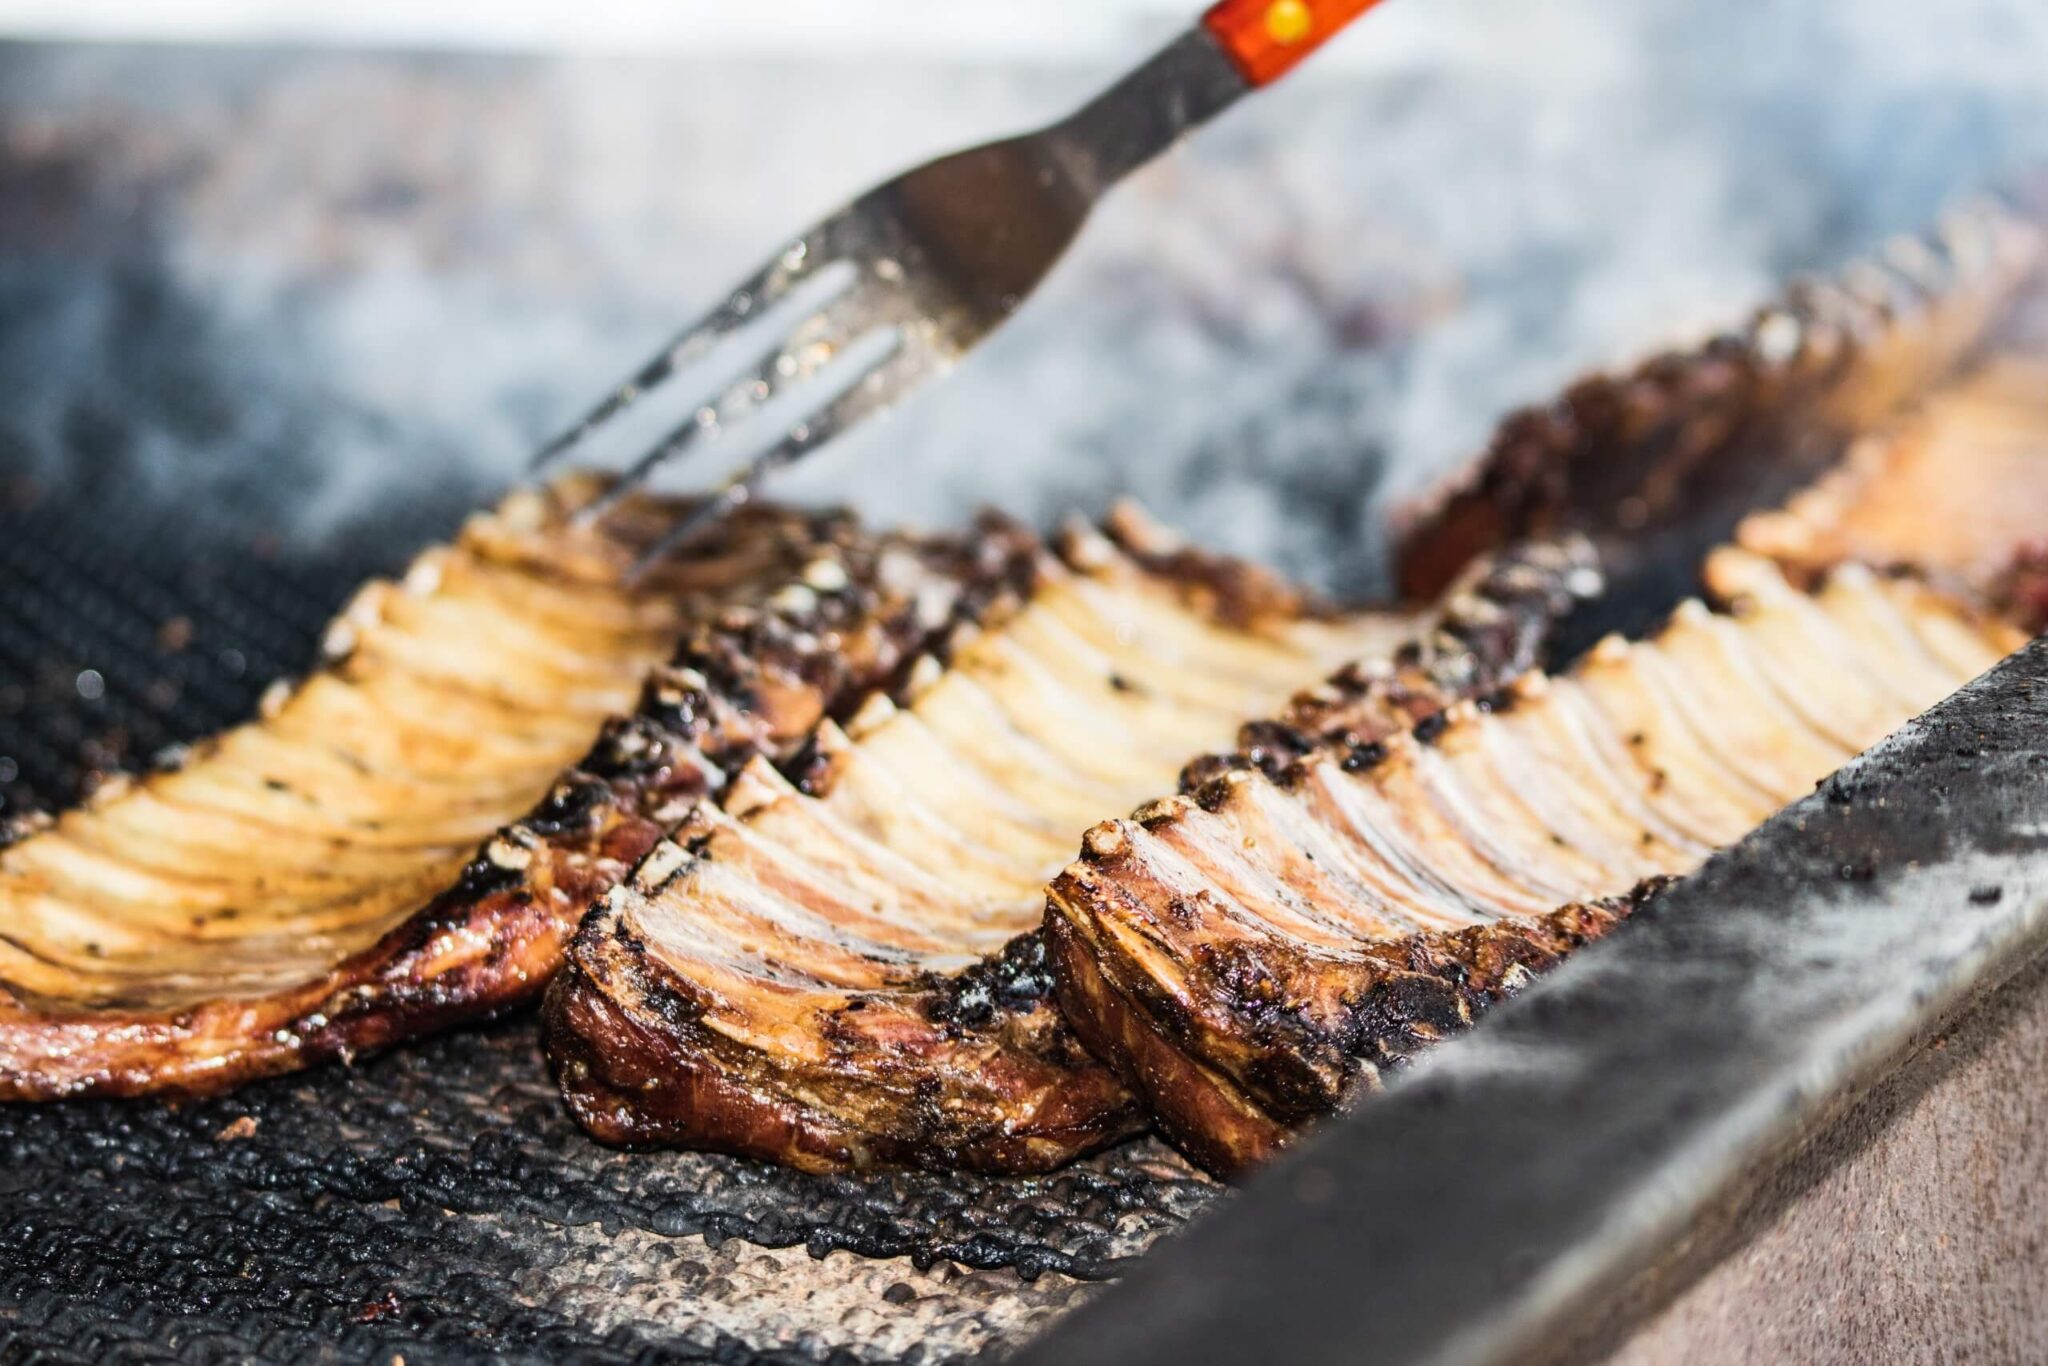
(1958,489)
(1250,953)
(310,885)
(1659,462)
(838,970)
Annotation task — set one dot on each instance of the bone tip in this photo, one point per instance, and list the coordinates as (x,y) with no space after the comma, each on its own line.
(1777,337)
(508,854)
(523,510)
(423,578)
(1165,809)
(794,600)
(274,697)
(1130,523)
(659,866)
(110,788)
(1612,649)
(1730,567)
(1085,548)
(830,740)
(1105,841)
(339,641)
(871,716)
(1777,532)
(1851,574)
(924,675)
(826,575)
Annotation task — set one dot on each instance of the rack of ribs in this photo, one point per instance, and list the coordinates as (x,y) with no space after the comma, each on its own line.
(841,964)
(352,869)
(1958,489)
(1658,462)
(1255,951)
(834,964)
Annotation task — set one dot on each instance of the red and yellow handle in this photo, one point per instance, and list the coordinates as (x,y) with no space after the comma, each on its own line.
(1265,38)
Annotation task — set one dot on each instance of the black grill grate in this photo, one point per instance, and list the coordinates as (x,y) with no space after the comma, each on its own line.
(414,1202)
(125,629)
(436,1201)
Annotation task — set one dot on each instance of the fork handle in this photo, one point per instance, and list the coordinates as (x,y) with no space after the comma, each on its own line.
(1266,38)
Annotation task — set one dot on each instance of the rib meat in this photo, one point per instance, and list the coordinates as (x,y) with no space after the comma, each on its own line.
(833,965)
(1958,489)
(1250,953)
(311,884)
(1659,462)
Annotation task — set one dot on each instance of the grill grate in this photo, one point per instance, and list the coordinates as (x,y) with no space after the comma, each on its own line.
(126,629)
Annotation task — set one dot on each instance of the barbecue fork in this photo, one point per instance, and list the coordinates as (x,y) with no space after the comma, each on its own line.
(901,282)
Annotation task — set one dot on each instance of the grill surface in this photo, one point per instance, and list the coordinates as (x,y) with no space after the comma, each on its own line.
(209,264)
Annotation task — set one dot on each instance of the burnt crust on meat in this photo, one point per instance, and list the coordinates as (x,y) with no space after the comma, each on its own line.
(974,1066)
(784,617)
(1491,630)
(1229,589)
(1408,995)
(950,1074)
(1253,952)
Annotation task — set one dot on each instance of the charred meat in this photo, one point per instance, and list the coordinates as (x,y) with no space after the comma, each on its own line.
(1658,463)
(835,964)
(341,874)
(1251,953)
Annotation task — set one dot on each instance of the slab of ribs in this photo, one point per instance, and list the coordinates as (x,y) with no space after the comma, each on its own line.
(849,848)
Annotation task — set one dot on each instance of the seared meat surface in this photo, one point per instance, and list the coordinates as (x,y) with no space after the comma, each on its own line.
(834,965)
(1251,953)
(311,884)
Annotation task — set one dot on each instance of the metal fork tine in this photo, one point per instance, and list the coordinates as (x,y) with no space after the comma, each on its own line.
(793,359)
(716,508)
(763,289)
(876,388)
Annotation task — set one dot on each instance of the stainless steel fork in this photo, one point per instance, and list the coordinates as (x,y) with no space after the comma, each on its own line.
(909,276)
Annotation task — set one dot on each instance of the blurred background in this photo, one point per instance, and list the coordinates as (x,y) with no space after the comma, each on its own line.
(291,286)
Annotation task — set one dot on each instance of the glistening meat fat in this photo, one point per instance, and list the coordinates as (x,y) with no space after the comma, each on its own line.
(834,964)
(1252,953)
(311,884)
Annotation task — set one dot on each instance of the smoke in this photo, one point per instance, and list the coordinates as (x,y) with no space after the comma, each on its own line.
(377,282)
